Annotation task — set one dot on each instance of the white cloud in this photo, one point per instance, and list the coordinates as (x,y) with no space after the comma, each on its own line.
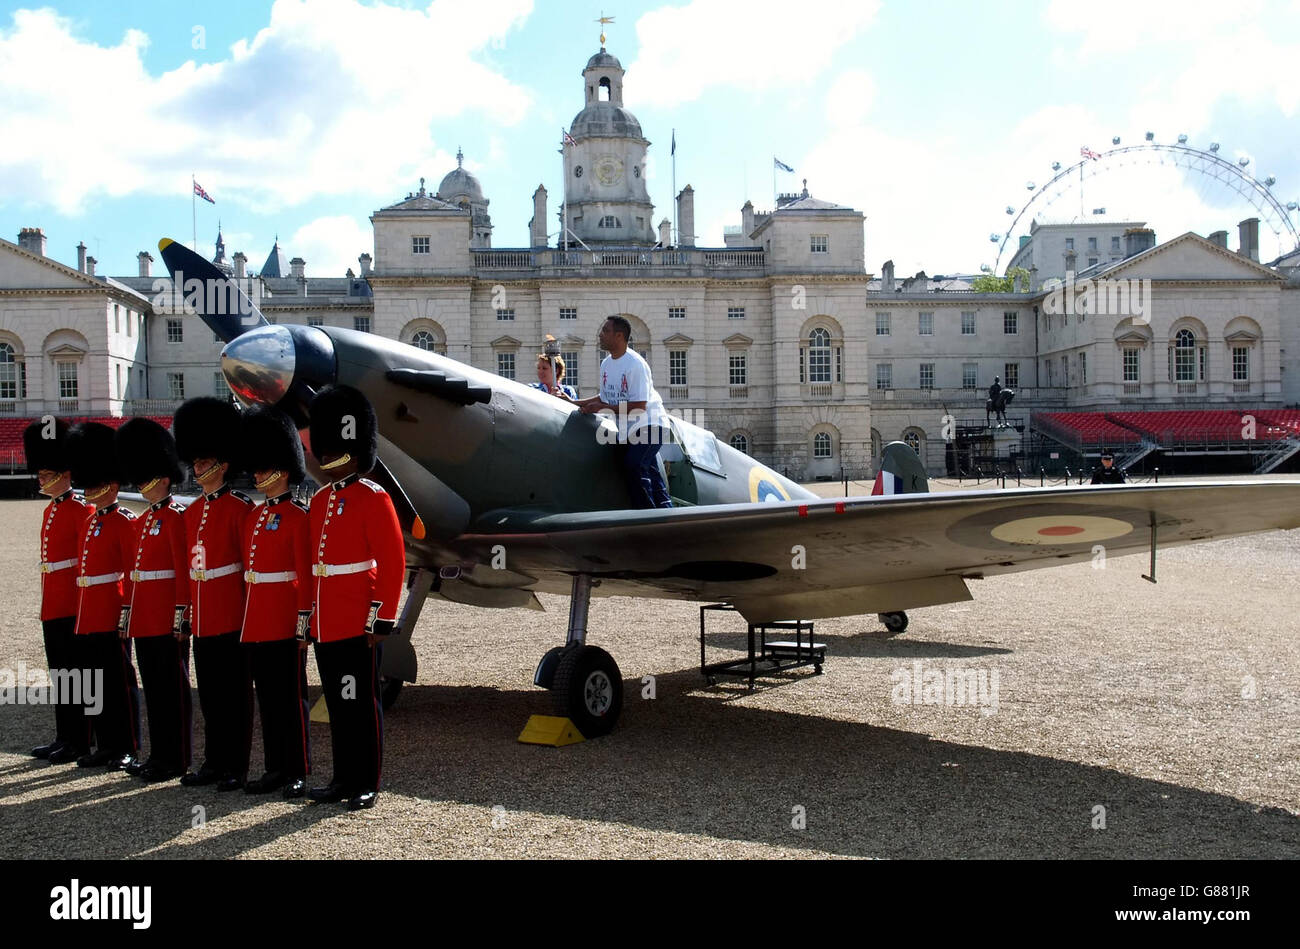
(330,245)
(686,50)
(323,100)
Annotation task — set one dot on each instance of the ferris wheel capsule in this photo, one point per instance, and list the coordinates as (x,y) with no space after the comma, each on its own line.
(1243,161)
(994,238)
(1115,140)
(1029,186)
(1270,181)
(1214,146)
(1291,205)
(1056,166)
(1182,139)
(1010,209)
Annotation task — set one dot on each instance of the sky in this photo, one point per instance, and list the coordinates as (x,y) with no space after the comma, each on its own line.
(303,117)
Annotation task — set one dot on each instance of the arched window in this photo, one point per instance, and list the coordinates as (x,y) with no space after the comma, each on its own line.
(822,445)
(1185,356)
(609,221)
(819,355)
(740,442)
(913,439)
(603,94)
(424,340)
(13,380)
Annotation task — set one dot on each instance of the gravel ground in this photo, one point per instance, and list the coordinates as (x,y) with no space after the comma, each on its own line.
(1112,693)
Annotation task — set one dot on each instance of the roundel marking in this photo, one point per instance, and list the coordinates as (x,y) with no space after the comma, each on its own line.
(1069,528)
(764,487)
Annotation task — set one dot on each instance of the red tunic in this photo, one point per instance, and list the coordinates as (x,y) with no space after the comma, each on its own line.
(358,556)
(61,534)
(276,544)
(214,532)
(107,551)
(160,549)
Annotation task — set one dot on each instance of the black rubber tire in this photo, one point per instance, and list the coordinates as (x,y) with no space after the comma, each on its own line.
(388,691)
(895,623)
(588,690)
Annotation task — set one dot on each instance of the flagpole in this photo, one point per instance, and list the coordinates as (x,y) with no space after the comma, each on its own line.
(773,182)
(194,216)
(677,236)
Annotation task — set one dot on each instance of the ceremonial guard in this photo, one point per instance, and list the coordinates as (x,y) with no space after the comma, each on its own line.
(207,434)
(45,444)
(159,574)
(359,562)
(105,588)
(277,575)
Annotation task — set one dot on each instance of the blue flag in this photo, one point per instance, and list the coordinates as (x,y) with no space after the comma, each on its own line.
(780,164)
(674,149)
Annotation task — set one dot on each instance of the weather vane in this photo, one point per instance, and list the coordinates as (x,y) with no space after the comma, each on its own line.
(603,21)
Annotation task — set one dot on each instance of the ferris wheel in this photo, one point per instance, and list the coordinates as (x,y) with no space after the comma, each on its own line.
(1214,169)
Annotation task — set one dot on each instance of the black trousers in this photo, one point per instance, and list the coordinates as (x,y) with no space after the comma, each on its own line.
(356,715)
(226,698)
(113,700)
(280,677)
(71,726)
(165,674)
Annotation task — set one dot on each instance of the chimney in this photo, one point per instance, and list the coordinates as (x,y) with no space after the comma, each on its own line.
(747,218)
(1138,239)
(537,226)
(686,217)
(1248,234)
(32,240)
(81,256)
(364,261)
(665,233)
(146,263)
(1033,280)
(90,266)
(1220,238)
(297,268)
(240,262)
(887,277)
(1071,261)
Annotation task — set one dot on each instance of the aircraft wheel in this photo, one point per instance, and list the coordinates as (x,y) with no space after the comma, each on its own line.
(895,623)
(588,690)
(388,689)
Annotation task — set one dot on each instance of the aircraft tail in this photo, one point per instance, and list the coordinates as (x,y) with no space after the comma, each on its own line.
(900,472)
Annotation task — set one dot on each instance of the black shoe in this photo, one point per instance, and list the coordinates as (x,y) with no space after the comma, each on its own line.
(153,772)
(296,787)
(204,775)
(363,801)
(66,755)
(328,794)
(230,783)
(138,767)
(124,762)
(44,751)
(267,783)
(97,759)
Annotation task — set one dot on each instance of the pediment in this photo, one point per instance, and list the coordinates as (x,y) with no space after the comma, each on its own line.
(1190,257)
(505,342)
(737,341)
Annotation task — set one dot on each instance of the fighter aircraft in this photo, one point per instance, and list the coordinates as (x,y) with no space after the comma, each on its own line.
(504,491)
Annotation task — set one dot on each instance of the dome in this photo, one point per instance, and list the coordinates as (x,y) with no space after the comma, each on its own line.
(459,183)
(603,60)
(605,119)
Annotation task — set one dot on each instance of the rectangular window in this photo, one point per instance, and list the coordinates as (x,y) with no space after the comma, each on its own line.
(884,375)
(1114,245)
(506,365)
(820,243)
(67,380)
(738,369)
(677,313)
(1092,245)
(130,328)
(1065,370)
(1240,364)
(819,364)
(419,245)
(361,324)
(925,324)
(1083,369)
(219,387)
(968,323)
(969,371)
(735,312)
(175,332)
(117,318)
(677,367)
(176,385)
(927,375)
(117,371)
(1011,375)
(1010,324)
(1092,261)
(568,312)
(572,362)
(1131,371)
(315,321)
(1069,243)
(506,313)
(882,324)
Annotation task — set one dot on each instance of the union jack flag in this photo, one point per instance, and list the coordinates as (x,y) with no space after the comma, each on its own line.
(198,189)
(1087,152)
(568,139)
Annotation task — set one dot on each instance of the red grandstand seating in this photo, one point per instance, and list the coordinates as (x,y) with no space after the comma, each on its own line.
(1200,425)
(1093,428)
(12,455)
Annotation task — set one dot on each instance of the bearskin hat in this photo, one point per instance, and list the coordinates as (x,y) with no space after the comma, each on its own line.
(328,410)
(207,427)
(271,442)
(92,453)
(146,450)
(46,454)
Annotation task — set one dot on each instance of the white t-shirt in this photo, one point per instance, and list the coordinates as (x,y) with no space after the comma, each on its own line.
(628,379)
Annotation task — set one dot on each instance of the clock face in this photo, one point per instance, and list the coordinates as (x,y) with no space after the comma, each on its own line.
(577,172)
(609,170)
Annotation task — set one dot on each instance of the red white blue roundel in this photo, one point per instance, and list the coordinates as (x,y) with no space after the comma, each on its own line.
(764,487)
(1047,525)
(1072,529)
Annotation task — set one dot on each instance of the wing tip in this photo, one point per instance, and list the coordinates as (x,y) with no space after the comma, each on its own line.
(165,243)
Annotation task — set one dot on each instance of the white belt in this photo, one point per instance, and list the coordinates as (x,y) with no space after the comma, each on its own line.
(338,569)
(58,565)
(282,576)
(96,581)
(216,572)
(138,575)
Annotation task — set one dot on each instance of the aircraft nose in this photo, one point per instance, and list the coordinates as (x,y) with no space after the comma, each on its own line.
(259,365)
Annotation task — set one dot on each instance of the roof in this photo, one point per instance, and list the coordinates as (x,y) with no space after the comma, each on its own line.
(605,120)
(277,262)
(603,60)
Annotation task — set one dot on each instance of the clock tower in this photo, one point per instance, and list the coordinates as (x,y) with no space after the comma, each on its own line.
(606,201)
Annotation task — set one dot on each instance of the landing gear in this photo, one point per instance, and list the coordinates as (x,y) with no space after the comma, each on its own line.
(397,662)
(586,685)
(388,689)
(895,623)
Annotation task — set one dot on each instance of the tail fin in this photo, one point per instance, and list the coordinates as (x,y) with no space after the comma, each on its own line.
(901,471)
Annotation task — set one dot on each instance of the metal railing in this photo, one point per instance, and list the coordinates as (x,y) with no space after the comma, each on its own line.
(624,258)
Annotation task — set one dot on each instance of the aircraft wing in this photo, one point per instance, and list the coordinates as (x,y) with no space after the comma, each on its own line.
(844,557)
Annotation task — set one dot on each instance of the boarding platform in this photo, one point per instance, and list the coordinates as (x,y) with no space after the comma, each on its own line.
(764,656)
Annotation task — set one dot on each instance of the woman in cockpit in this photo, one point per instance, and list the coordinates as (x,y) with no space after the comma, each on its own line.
(547,382)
